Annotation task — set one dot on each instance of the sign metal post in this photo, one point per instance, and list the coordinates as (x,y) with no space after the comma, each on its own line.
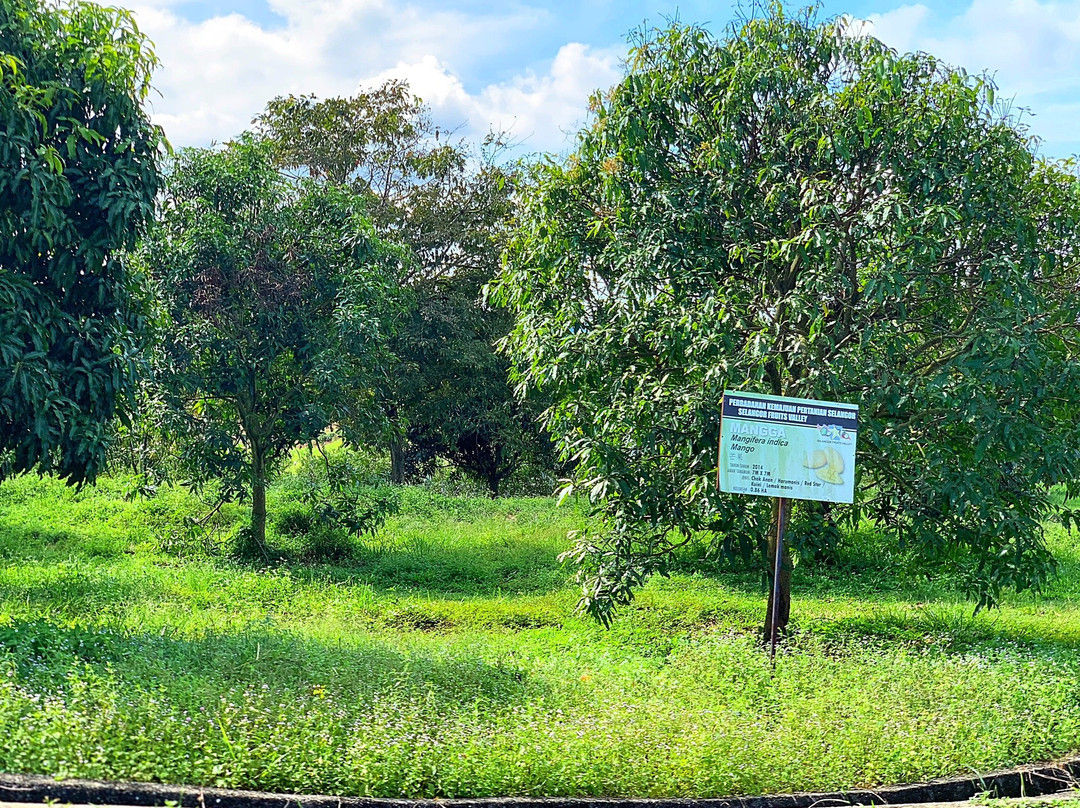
(786,448)
(778,566)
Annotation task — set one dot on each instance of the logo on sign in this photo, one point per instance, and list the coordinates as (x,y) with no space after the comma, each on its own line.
(834,433)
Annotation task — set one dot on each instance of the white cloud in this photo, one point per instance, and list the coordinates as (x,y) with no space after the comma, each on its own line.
(542,112)
(1031,48)
(217,74)
(899,27)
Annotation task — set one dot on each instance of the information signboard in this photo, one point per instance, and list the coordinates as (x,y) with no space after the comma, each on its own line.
(795,448)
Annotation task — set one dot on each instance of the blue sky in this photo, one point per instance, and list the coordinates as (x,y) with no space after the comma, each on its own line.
(530,66)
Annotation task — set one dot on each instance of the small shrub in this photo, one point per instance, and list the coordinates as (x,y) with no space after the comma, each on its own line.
(449,482)
(294,519)
(342,488)
(531,480)
(431,502)
(242,544)
(327,543)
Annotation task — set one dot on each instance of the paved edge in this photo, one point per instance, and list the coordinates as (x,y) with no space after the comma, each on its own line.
(1030,781)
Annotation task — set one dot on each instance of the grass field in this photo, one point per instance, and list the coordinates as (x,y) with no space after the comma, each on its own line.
(444,659)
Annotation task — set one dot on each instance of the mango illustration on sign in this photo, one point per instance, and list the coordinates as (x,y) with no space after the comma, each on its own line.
(827,464)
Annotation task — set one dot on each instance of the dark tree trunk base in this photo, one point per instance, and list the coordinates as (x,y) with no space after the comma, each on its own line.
(785,584)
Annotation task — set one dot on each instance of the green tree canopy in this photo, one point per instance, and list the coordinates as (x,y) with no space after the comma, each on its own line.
(450,204)
(456,393)
(78,177)
(279,304)
(800,211)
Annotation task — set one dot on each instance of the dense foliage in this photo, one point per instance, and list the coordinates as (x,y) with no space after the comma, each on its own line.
(278,306)
(456,395)
(338,494)
(77,178)
(448,394)
(799,211)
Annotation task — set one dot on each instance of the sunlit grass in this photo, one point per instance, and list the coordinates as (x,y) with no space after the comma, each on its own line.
(444,659)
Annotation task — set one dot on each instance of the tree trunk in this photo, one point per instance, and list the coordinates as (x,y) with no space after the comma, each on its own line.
(258,499)
(496,472)
(784,612)
(397,460)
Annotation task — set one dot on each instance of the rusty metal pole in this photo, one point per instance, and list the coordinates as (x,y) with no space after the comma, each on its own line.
(778,565)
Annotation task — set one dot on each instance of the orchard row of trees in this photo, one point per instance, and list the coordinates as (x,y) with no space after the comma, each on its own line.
(794,209)
(324,269)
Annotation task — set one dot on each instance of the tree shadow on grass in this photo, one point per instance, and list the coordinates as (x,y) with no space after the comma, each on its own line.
(443,569)
(435,567)
(68,589)
(877,573)
(484,590)
(32,541)
(47,657)
(870,598)
(216,593)
(480,549)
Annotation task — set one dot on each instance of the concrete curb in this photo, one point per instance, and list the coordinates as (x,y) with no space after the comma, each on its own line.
(1031,781)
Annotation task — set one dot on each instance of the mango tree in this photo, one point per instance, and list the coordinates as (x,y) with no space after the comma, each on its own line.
(278,304)
(78,177)
(797,210)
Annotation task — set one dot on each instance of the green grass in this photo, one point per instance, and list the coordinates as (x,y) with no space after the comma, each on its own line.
(444,659)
